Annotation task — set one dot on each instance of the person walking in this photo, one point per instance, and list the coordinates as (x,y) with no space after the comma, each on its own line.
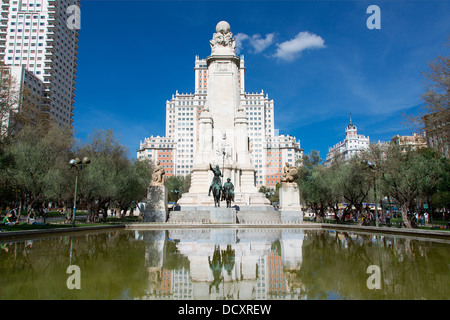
(388,218)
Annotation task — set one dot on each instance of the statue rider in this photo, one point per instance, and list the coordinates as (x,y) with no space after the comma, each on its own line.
(228,188)
(216,179)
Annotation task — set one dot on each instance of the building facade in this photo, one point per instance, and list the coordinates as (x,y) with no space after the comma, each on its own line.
(350,147)
(437,131)
(34,34)
(414,142)
(269,150)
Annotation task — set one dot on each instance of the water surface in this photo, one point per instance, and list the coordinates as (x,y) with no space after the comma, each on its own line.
(226,264)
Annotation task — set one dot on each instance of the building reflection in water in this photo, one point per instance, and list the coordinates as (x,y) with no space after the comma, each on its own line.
(223,263)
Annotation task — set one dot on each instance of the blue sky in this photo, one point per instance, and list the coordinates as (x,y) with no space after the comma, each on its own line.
(317,60)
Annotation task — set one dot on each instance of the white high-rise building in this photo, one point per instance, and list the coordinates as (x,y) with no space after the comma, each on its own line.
(34,34)
(182,123)
(350,147)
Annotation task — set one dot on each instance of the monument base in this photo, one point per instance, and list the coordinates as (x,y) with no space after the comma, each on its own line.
(242,201)
(291,216)
(290,208)
(207,215)
(258,217)
(156,204)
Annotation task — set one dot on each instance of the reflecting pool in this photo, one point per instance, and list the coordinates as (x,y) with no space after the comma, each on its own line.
(225,264)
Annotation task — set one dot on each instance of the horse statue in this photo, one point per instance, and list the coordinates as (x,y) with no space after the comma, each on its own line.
(216,191)
(216,185)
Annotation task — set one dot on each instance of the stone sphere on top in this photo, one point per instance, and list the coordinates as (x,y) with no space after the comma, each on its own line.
(223,27)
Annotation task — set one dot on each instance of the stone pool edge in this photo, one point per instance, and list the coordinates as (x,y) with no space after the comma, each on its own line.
(152,225)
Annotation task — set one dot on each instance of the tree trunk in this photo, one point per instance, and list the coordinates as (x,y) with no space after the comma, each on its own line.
(123,210)
(69,214)
(336,211)
(405,218)
(20,207)
(92,213)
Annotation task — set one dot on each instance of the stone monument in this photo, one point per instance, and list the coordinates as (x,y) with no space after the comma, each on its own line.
(157,193)
(290,208)
(223,134)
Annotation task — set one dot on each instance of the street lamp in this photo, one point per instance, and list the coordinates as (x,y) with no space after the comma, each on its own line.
(373,167)
(78,165)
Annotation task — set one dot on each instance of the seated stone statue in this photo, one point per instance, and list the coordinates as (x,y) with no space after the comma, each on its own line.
(289,174)
(158,174)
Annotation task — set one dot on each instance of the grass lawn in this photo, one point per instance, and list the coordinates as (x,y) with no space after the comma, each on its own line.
(26,226)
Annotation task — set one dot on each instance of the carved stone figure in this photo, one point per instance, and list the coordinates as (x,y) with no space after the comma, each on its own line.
(223,37)
(289,174)
(223,147)
(158,175)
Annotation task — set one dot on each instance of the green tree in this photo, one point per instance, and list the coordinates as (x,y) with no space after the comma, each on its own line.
(132,183)
(35,155)
(9,98)
(434,114)
(406,175)
(60,188)
(314,183)
(177,186)
(354,182)
(273,194)
(98,182)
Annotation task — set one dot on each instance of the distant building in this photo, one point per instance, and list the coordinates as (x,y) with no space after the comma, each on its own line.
(160,149)
(437,131)
(34,35)
(413,142)
(24,89)
(350,147)
(279,150)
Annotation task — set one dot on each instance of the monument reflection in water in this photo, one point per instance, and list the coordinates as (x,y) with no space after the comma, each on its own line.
(225,264)
(228,264)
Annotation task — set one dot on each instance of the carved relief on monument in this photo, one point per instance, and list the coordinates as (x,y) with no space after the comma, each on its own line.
(223,148)
(223,66)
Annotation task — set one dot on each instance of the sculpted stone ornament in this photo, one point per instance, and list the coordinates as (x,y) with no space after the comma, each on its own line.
(289,174)
(158,175)
(223,38)
(223,147)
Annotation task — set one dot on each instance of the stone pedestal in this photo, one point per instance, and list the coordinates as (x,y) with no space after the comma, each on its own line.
(205,215)
(290,208)
(258,217)
(156,204)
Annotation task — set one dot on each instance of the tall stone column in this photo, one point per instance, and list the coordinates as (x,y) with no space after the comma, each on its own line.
(223,130)
(200,175)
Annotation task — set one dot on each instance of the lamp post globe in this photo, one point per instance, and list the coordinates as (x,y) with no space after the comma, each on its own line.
(78,164)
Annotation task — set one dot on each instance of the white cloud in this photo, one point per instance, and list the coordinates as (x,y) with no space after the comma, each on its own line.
(290,49)
(256,42)
(259,44)
(240,37)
